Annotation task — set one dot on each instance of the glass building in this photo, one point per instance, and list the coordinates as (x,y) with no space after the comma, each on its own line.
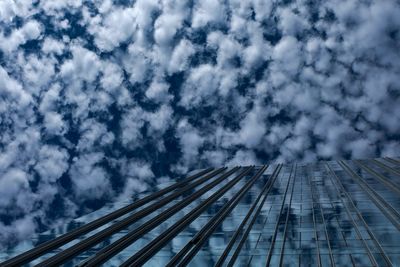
(335,213)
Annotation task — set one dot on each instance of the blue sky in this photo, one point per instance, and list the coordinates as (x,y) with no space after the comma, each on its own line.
(99,99)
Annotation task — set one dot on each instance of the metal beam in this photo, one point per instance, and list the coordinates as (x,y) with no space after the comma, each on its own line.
(68,253)
(361,218)
(193,246)
(50,245)
(382,204)
(109,251)
(385,181)
(266,189)
(271,248)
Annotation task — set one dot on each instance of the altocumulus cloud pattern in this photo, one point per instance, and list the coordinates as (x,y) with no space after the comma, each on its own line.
(99,97)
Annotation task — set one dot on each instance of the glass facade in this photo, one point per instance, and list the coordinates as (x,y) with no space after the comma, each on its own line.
(336,213)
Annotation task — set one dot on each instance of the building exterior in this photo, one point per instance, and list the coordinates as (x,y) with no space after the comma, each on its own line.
(336,213)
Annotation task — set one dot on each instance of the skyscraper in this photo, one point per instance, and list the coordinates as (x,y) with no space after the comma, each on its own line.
(335,213)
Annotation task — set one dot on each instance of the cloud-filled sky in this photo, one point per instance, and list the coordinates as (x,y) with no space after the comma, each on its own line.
(99,99)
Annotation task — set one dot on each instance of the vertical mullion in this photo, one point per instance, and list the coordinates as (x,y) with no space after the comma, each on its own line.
(382,204)
(240,228)
(323,222)
(361,218)
(259,237)
(341,232)
(194,245)
(271,248)
(301,211)
(386,167)
(225,253)
(314,224)
(394,161)
(389,184)
(287,218)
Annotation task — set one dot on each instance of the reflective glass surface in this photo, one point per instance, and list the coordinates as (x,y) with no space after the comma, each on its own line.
(338,213)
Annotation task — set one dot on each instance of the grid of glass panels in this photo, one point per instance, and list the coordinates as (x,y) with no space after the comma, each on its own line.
(338,213)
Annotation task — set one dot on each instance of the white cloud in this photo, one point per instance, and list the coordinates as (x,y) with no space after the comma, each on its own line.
(112,77)
(24,227)
(7,10)
(208,12)
(253,128)
(51,163)
(90,180)
(12,183)
(116,27)
(291,23)
(180,56)
(13,92)
(158,91)
(201,84)
(50,98)
(131,125)
(215,158)
(160,120)
(190,141)
(84,65)
(138,174)
(54,124)
(262,9)
(144,11)
(51,45)
(29,31)
(287,53)
(93,135)
(137,63)
(166,26)
(37,73)
(243,158)
(53,7)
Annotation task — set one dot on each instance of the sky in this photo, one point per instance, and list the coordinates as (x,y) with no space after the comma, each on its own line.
(99,100)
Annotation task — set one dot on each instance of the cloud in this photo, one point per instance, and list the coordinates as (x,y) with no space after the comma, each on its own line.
(113,29)
(12,183)
(291,23)
(136,63)
(180,56)
(287,55)
(138,175)
(253,128)
(200,86)
(93,134)
(84,65)
(208,12)
(131,125)
(37,73)
(7,10)
(243,158)
(51,45)
(90,181)
(190,141)
(160,120)
(52,163)
(158,91)
(13,91)
(112,77)
(29,31)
